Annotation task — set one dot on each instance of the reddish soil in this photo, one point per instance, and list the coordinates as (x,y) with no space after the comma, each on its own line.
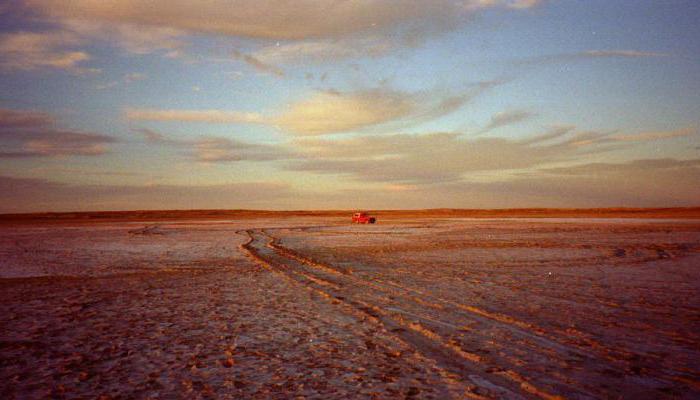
(315,307)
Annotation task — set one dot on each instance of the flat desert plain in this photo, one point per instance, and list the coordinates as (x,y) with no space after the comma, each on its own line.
(314,307)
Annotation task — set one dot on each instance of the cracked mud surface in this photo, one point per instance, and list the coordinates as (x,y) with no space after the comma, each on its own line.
(317,308)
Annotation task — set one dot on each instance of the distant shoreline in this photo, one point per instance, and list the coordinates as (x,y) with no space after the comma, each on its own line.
(170,215)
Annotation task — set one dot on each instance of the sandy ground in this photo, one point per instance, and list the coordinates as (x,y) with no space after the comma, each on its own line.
(317,308)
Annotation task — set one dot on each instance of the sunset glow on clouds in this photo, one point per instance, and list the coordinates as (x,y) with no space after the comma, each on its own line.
(125,104)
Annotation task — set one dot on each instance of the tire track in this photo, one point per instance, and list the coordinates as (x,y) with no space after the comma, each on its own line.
(536,346)
(418,334)
(515,326)
(568,342)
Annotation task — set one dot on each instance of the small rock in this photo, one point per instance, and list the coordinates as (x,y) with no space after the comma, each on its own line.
(228,363)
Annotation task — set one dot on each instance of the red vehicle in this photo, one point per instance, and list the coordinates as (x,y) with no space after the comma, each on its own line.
(363,218)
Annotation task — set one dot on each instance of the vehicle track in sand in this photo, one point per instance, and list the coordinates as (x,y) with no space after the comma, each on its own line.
(388,306)
(453,368)
(622,357)
(493,352)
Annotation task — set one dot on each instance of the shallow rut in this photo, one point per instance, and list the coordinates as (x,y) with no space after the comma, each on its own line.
(494,353)
(381,304)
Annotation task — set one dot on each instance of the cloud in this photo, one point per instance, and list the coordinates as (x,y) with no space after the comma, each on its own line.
(580,139)
(553,133)
(14,119)
(257,64)
(127,79)
(332,112)
(210,116)
(422,159)
(328,112)
(28,194)
(324,50)
(89,172)
(620,53)
(152,136)
(515,4)
(640,183)
(583,139)
(505,118)
(589,55)
(223,150)
(319,29)
(60,143)
(656,135)
(631,167)
(522,4)
(425,158)
(649,182)
(134,76)
(33,134)
(33,50)
(132,38)
(218,149)
(266,19)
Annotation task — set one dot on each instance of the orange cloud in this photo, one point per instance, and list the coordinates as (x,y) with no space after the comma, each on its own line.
(326,112)
(656,135)
(211,116)
(271,19)
(31,50)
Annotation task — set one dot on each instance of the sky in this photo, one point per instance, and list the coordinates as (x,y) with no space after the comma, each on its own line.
(348,104)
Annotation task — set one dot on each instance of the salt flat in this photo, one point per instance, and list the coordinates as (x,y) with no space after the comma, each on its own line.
(318,308)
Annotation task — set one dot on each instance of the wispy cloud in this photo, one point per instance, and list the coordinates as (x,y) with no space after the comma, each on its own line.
(34,134)
(210,116)
(316,29)
(639,183)
(636,166)
(325,50)
(506,118)
(443,157)
(570,137)
(132,38)
(257,64)
(33,50)
(426,158)
(589,55)
(214,149)
(20,119)
(254,19)
(657,135)
(127,79)
(516,4)
(552,134)
(620,53)
(332,112)
(225,150)
(327,112)
(154,137)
